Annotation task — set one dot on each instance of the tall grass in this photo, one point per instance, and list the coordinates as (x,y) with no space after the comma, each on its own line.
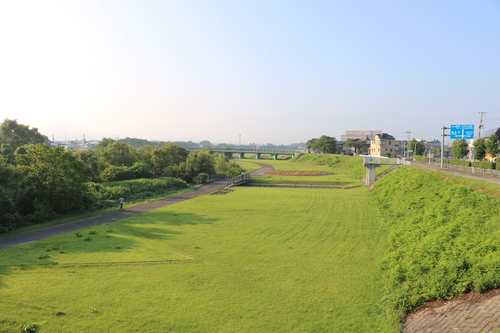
(444,234)
(266,260)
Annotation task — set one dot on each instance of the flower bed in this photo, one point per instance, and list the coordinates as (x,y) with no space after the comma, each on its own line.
(296,173)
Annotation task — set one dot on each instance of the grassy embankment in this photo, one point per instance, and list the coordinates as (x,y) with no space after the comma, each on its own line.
(266,260)
(444,237)
(348,170)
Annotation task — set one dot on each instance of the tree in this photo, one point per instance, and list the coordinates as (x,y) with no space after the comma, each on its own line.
(17,135)
(168,155)
(7,153)
(417,147)
(53,181)
(357,144)
(325,145)
(459,148)
(90,159)
(480,148)
(118,154)
(492,146)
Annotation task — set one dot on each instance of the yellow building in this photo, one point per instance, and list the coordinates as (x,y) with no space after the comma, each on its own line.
(384,145)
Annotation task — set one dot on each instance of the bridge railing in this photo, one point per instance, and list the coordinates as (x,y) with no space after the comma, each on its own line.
(384,160)
(238,180)
(211,178)
(253,150)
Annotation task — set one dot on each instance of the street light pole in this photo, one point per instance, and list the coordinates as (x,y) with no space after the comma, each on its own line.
(442,144)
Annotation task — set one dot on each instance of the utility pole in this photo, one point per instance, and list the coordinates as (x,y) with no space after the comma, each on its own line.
(442,144)
(408,144)
(480,123)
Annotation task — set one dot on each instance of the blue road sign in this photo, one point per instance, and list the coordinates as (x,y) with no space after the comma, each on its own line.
(462,132)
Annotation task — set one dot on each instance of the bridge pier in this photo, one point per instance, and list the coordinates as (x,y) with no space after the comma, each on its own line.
(241,155)
(275,156)
(228,155)
(371,173)
(257,156)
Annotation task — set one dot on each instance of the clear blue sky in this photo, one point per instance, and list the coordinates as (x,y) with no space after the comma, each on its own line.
(271,71)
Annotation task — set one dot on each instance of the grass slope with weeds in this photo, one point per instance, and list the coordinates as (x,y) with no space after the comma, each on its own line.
(266,260)
(444,237)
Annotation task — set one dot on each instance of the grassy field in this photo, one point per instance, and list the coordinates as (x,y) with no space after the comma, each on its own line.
(265,260)
(348,170)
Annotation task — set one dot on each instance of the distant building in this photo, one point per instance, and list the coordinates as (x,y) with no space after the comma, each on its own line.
(359,135)
(384,145)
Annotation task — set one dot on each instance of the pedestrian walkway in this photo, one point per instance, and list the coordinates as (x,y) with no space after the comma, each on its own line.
(110,217)
(473,313)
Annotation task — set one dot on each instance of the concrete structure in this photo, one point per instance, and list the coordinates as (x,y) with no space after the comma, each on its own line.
(228,152)
(384,145)
(371,163)
(360,135)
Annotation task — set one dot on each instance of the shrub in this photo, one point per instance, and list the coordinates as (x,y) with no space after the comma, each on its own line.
(458,162)
(484,165)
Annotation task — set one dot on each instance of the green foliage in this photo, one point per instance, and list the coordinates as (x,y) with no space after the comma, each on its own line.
(443,237)
(201,178)
(118,154)
(492,146)
(417,147)
(7,153)
(480,148)
(90,160)
(357,144)
(135,190)
(484,165)
(459,148)
(52,182)
(458,162)
(324,145)
(168,155)
(16,135)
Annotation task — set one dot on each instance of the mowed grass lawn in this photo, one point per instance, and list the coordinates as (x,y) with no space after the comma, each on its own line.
(265,260)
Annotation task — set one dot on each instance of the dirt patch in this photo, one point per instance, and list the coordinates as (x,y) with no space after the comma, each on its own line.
(298,173)
(221,192)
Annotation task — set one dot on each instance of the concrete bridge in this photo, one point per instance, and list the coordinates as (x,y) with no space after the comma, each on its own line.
(228,152)
(372,162)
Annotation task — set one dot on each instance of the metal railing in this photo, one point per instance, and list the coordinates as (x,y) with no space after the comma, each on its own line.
(238,180)
(384,160)
(210,178)
(463,168)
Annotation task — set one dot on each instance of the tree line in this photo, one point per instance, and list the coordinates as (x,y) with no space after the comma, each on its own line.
(38,182)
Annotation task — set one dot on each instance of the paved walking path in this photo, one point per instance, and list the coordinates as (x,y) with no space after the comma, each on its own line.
(473,313)
(120,214)
(110,217)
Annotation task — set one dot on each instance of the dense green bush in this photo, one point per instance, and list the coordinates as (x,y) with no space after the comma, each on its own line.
(458,162)
(139,189)
(484,165)
(443,237)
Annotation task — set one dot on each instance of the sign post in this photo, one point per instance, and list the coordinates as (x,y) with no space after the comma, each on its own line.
(461,132)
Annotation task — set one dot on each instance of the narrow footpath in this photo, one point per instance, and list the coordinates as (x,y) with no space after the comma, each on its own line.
(110,217)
